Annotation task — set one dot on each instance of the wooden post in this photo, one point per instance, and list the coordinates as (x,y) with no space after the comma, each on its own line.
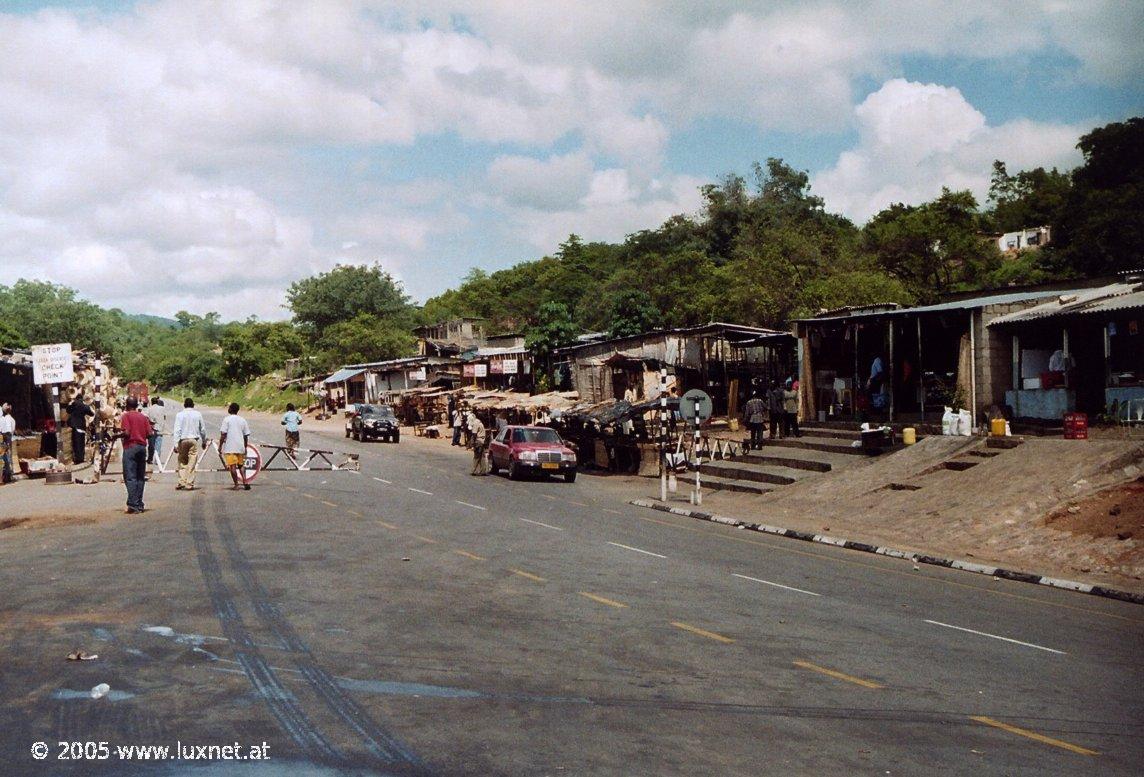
(921,371)
(890,368)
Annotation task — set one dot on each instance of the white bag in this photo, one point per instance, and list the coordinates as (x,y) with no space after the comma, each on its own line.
(948,422)
(965,422)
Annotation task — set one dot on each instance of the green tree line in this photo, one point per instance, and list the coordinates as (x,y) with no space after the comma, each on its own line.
(762,250)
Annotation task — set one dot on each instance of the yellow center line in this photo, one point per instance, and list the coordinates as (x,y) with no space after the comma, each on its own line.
(529,575)
(578,504)
(549,497)
(602,600)
(391,526)
(425,539)
(701,632)
(308,496)
(467,554)
(328,504)
(838,675)
(914,575)
(1033,735)
(291,488)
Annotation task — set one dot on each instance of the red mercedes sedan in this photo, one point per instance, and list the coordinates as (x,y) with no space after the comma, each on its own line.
(532,450)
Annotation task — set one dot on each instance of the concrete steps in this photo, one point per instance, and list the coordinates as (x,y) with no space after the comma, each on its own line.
(728,484)
(746,470)
(792,458)
(809,443)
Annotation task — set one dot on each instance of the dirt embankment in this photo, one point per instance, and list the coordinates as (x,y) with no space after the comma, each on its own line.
(1116,513)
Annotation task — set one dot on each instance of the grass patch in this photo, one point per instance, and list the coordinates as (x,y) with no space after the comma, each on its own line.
(259,394)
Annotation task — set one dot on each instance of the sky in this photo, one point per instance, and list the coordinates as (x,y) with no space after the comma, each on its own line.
(200,155)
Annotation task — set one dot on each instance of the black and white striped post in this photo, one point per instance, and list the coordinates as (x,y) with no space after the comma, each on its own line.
(663,434)
(697,497)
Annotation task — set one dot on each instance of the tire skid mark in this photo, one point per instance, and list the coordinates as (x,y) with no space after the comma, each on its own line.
(291,717)
(379,743)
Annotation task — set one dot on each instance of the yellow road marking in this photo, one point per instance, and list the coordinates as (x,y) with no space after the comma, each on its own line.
(529,575)
(425,539)
(549,497)
(701,632)
(838,675)
(467,554)
(308,496)
(291,488)
(1033,735)
(328,504)
(391,526)
(852,562)
(355,512)
(578,504)
(602,600)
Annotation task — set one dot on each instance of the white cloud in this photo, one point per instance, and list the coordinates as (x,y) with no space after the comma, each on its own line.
(916,138)
(548,184)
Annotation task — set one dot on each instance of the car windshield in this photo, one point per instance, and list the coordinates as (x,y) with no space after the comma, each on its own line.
(371,411)
(535,435)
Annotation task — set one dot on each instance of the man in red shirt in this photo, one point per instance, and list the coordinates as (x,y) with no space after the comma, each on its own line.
(136,428)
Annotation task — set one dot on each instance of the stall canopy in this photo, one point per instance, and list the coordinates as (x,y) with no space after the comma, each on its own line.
(344,374)
(1107,299)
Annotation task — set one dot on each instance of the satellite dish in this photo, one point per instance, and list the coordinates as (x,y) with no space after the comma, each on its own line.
(696,406)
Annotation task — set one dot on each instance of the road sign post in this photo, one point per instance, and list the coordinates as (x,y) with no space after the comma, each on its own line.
(696,406)
(663,434)
(52,364)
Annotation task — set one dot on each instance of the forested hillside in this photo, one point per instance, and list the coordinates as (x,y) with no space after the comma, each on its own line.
(763,250)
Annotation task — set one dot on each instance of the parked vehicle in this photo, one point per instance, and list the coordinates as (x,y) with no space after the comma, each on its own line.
(532,450)
(375,421)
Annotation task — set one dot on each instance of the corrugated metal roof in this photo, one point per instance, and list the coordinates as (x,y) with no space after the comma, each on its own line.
(971,303)
(1106,299)
(343,374)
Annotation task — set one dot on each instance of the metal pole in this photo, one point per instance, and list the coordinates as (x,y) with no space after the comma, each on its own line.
(662,434)
(972,371)
(921,371)
(695,420)
(890,370)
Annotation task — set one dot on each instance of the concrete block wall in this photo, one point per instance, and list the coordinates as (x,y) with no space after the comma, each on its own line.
(994,373)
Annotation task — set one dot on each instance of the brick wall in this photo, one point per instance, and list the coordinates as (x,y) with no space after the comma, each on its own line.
(994,356)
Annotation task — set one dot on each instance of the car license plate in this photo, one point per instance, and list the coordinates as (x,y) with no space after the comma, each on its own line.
(549,465)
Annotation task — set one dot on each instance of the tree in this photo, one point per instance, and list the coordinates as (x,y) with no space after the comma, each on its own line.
(633,312)
(1028,199)
(1102,226)
(344,293)
(553,329)
(364,338)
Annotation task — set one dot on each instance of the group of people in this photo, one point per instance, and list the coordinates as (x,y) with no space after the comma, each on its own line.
(777,407)
(142,443)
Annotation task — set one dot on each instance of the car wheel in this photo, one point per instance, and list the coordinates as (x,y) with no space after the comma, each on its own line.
(513,471)
(347,433)
(570,477)
(357,435)
(493,468)
(397,437)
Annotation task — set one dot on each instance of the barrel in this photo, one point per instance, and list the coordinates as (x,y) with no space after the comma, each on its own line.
(909,435)
(997,427)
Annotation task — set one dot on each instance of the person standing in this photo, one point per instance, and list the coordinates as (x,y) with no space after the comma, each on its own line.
(190,436)
(754,415)
(458,422)
(480,445)
(157,414)
(7,441)
(777,413)
(233,437)
(292,420)
(790,409)
(78,413)
(135,428)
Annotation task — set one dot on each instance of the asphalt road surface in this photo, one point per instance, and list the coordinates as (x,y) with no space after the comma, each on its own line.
(412,619)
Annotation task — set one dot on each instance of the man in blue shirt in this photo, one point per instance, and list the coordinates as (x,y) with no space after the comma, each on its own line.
(292,420)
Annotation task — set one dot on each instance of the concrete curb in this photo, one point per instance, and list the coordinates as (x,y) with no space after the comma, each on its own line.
(968,566)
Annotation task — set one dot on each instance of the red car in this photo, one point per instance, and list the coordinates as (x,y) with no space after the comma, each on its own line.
(532,449)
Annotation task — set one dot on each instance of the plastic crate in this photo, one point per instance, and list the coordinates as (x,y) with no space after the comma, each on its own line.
(1076,426)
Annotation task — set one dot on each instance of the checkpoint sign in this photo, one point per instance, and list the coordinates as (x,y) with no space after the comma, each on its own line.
(253,463)
(695,406)
(52,364)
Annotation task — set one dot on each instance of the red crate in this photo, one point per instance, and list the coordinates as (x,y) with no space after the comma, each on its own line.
(1076,426)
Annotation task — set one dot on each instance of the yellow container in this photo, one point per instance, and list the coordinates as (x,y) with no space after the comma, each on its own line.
(909,435)
(997,427)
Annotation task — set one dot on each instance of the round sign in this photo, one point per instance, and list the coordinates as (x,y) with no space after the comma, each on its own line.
(252,464)
(695,405)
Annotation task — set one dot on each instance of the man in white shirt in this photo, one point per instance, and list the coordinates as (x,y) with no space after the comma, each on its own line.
(190,433)
(7,435)
(233,436)
(157,414)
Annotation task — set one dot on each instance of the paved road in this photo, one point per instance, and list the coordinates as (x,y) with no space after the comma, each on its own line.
(411,619)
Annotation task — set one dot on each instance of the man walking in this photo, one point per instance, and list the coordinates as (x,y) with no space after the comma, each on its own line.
(755,415)
(480,444)
(157,414)
(135,429)
(189,434)
(292,420)
(234,434)
(790,409)
(78,413)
